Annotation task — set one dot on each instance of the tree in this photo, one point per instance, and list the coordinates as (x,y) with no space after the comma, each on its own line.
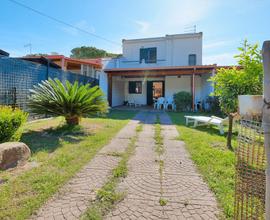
(231,82)
(72,101)
(90,52)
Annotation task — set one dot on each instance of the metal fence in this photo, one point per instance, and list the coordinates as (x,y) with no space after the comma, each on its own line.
(250,171)
(18,76)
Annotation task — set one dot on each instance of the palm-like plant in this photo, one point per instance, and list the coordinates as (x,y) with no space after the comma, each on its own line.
(72,101)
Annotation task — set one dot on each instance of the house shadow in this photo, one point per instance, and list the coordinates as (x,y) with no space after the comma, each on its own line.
(48,140)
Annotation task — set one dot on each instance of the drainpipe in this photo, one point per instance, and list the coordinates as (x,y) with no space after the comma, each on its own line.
(266,120)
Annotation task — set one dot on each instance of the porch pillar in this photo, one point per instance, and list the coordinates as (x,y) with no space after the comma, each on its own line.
(193,90)
(110,89)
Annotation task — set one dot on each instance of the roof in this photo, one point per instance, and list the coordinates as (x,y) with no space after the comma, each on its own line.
(168,36)
(95,60)
(92,62)
(165,70)
(40,59)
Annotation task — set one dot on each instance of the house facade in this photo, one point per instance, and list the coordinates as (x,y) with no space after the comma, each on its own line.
(158,67)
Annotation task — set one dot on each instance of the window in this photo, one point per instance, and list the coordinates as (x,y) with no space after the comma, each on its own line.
(135,87)
(149,55)
(192,59)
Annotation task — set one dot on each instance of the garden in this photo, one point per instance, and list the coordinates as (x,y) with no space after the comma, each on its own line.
(79,124)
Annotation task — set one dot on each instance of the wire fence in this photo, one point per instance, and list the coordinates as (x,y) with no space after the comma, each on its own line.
(250,171)
(18,76)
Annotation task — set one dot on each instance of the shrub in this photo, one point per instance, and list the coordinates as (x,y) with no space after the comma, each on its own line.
(11,122)
(72,101)
(183,101)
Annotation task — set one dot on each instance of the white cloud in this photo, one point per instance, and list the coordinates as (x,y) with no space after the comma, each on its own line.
(80,24)
(220,59)
(174,17)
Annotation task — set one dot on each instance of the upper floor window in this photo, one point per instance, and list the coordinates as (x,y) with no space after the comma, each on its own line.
(149,55)
(192,59)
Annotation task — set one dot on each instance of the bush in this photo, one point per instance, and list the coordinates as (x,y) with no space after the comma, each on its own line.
(183,101)
(10,123)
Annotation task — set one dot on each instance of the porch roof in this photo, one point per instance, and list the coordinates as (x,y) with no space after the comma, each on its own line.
(164,71)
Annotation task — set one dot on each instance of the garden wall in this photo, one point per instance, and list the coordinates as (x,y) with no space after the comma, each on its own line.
(18,76)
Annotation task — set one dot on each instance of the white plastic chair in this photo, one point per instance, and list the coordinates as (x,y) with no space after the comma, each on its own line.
(160,102)
(131,103)
(170,102)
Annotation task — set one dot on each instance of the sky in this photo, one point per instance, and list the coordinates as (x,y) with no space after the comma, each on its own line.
(224,23)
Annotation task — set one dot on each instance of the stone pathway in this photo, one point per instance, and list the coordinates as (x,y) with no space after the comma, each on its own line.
(179,184)
(74,197)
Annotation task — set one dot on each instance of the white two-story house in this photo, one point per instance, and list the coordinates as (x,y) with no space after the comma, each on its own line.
(158,67)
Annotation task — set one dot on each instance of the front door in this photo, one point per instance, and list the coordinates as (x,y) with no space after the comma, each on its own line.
(155,89)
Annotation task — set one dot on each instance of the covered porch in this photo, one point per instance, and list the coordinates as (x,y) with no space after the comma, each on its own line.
(143,85)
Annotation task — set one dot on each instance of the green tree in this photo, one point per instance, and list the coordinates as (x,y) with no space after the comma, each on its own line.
(72,101)
(90,52)
(246,80)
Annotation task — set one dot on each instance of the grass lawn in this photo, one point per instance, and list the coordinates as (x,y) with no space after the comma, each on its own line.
(208,150)
(58,152)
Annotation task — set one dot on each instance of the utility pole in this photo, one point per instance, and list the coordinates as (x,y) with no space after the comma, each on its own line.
(266,120)
(30,47)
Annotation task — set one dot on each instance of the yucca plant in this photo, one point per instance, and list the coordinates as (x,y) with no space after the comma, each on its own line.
(72,101)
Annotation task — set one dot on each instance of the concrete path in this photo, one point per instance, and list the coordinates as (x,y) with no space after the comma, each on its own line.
(178,184)
(74,197)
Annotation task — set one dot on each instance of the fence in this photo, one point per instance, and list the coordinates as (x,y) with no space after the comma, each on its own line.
(18,76)
(250,171)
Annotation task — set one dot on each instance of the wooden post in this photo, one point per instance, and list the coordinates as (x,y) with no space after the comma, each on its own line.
(266,121)
(193,90)
(110,89)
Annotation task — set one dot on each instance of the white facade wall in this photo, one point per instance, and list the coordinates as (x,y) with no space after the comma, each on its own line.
(172,50)
(118,95)
(103,83)
(207,87)
(173,84)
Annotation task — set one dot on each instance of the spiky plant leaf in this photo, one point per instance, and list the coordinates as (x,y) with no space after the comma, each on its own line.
(70,100)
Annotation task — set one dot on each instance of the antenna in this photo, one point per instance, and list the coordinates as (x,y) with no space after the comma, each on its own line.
(30,47)
(191,29)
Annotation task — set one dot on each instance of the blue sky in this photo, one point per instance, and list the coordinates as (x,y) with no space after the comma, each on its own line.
(224,23)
